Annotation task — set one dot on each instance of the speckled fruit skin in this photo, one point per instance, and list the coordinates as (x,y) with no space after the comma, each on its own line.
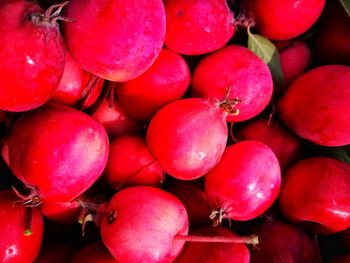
(32,57)
(121,38)
(282,20)
(245,182)
(196,27)
(274,134)
(93,253)
(316,108)
(131,163)
(236,67)
(16,247)
(316,191)
(188,137)
(147,219)
(213,252)
(165,81)
(57,149)
(281,242)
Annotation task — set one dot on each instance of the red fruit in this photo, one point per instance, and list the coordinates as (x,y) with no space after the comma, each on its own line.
(131,163)
(165,81)
(294,59)
(63,212)
(197,27)
(245,74)
(114,119)
(282,142)
(280,242)
(72,85)
(341,259)
(15,245)
(188,137)
(32,55)
(316,108)
(191,194)
(315,191)
(121,38)
(332,40)
(55,253)
(245,183)
(141,225)
(93,253)
(281,20)
(213,252)
(58,150)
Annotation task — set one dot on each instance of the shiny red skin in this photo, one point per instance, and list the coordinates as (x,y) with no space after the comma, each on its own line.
(32,67)
(316,108)
(63,212)
(236,67)
(282,20)
(188,137)
(196,27)
(57,149)
(121,38)
(282,142)
(193,197)
(131,163)
(332,40)
(294,59)
(165,81)
(55,253)
(15,247)
(214,252)
(246,181)
(93,253)
(115,120)
(72,85)
(281,242)
(147,219)
(315,191)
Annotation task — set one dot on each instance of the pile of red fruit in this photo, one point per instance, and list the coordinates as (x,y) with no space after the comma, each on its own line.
(175,131)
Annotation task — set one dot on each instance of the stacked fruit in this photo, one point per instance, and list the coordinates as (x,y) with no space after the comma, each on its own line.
(174,131)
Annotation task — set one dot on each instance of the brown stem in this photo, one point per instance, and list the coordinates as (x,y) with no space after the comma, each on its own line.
(87,91)
(29,219)
(252,239)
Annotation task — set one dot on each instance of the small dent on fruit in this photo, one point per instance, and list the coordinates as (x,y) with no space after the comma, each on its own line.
(111,217)
(11,251)
(180,13)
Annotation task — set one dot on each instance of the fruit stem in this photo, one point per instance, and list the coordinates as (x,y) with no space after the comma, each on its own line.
(252,239)
(29,218)
(229,104)
(87,91)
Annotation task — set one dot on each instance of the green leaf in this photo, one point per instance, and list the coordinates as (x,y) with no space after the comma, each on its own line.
(346,5)
(267,51)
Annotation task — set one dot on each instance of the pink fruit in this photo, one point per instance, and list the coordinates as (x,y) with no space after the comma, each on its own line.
(114,119)
(32,55)
(245,182)
(188,137)
(315,191)
(282,142)
(15,245)
(294,59)
(197,27)
(280,242)
(93,253)
(281,20)
(213,252)
(165,81)
(242,72)
(141,224)
(73,83)
(131,163)
(121,38)
(57,150)
(316,108)
(63,212)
